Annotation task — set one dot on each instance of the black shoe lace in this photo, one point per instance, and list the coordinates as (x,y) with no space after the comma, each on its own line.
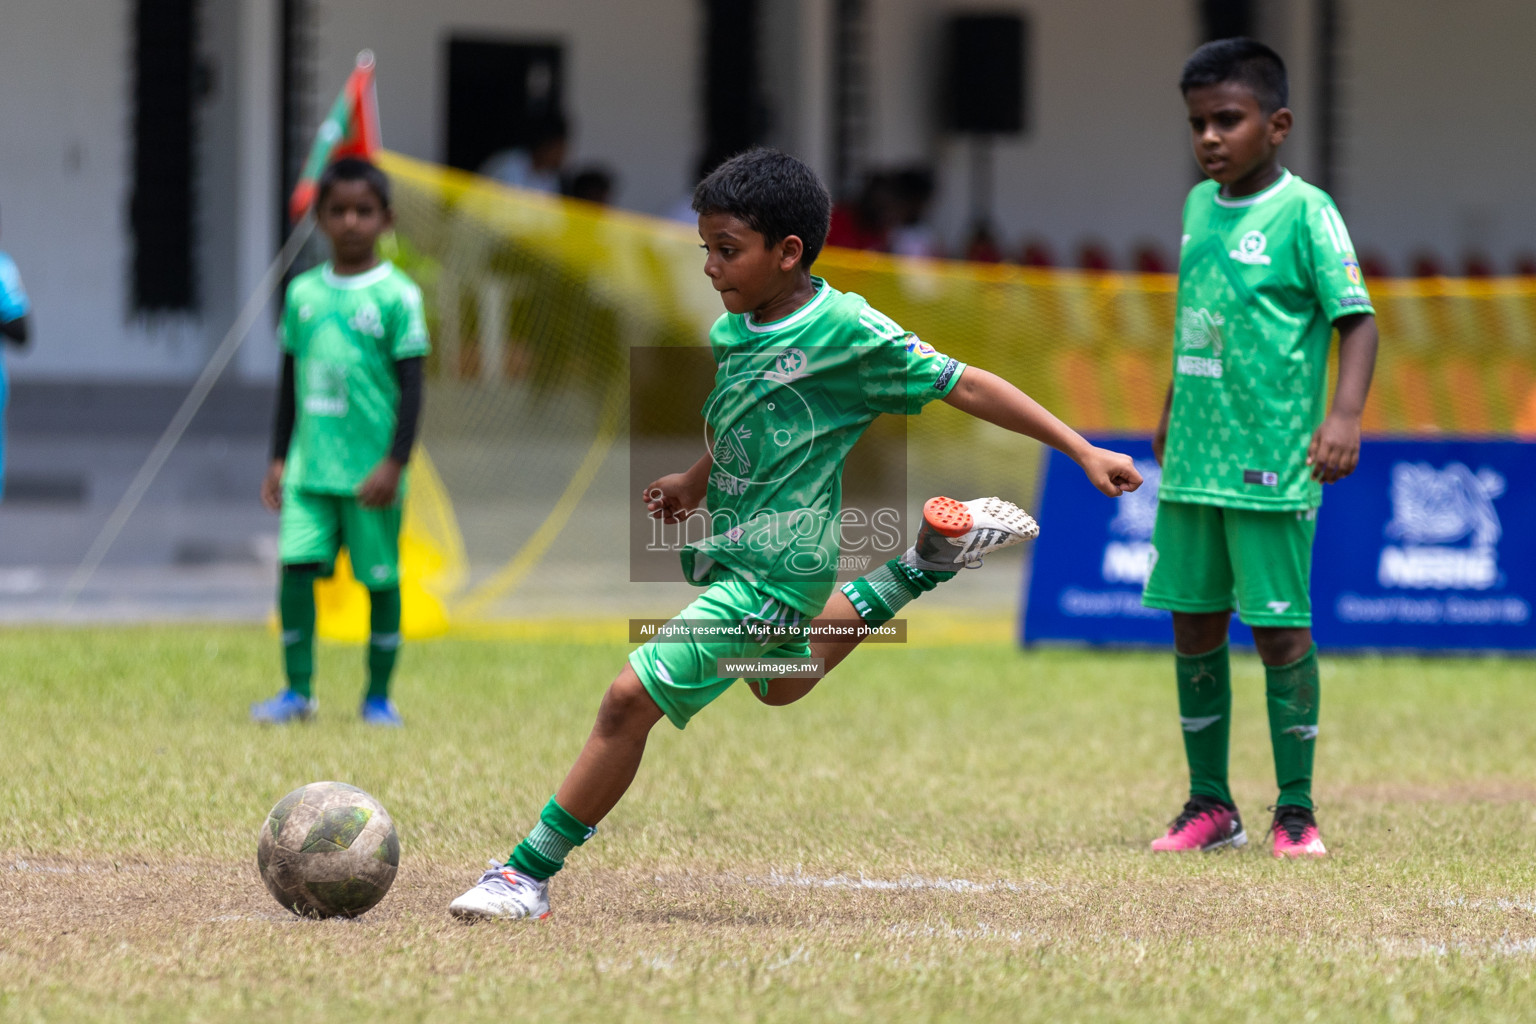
(1293,819)
(1196,806)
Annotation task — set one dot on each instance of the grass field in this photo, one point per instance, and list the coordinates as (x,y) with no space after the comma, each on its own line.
(940,833)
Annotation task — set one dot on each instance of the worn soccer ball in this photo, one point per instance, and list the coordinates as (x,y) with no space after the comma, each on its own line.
(328,850)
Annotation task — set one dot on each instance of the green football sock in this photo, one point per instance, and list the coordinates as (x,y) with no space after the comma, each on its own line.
(296,611)
(1205,712)
(383,639)
(556,834)
(1293,692)
(878,596)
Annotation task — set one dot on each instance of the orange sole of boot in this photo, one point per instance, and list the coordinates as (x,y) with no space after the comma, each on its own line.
(947,516)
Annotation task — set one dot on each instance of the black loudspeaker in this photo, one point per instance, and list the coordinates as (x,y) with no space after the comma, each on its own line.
(985,73)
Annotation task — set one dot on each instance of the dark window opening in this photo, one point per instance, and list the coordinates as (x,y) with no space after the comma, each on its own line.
(500,96)
(162,212)
(1224,19)
(735,117)
(297,81)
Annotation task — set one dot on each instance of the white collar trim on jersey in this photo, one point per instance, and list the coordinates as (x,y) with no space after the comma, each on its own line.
(364,280)
(822,291)
(1268,192)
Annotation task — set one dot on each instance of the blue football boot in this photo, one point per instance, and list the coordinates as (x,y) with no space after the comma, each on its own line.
(284,708)
(381,711)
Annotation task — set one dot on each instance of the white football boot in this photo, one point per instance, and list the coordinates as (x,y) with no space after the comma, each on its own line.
(503,893)
(958,534)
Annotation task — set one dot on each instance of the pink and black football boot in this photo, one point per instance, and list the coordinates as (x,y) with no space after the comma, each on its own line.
(1205,823)
(1295,832)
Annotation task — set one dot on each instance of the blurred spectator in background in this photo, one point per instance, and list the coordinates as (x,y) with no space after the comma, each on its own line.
(910,233)
(592,183)
(865,223)
(982,246)
(1426,264)
(1037,253)
(16,328)
(1149,258)
(1476,264)
(1373,265)
(535,166)
(1094,255)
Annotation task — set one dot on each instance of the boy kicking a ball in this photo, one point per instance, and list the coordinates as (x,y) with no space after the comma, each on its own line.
(354,340)
(1266,273)
(803,369)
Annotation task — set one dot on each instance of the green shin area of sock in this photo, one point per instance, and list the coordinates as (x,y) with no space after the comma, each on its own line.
(543,852)
(383,640)
(1205,713)
(296,612)
(886,590)
(1292,692)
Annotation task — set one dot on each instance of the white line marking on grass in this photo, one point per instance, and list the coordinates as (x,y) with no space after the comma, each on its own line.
(1496,903)
(1501,948)
(906,883)
(981,931)
(53,869)
(254,917)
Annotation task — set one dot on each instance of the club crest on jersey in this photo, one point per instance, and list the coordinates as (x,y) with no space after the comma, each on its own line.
(1250,249)
(1351,268)
(366,321)
(791,364)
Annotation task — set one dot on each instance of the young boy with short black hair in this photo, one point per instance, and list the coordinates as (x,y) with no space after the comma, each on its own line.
(354,340)
(1267,271)
(803,369)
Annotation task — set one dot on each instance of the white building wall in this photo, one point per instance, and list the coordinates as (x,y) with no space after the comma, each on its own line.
(64,192)
(1437,140)
(66,91)
(1433,146)
(1105,154)
(631,77)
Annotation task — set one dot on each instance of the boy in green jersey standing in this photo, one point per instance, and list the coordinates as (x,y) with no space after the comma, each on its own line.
(354,340)
(802,370)
(1266,273)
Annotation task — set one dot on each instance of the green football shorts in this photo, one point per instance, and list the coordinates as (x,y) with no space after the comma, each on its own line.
(678,668)
(1211,559)
(314,526)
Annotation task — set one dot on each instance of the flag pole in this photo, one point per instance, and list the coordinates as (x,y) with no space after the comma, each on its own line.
(189,406)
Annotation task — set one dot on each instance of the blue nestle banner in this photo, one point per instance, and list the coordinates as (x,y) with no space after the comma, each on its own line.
(1427,546)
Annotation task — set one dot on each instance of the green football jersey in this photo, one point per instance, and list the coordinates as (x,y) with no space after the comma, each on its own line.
(345,334)
(1262,278)
(790,399)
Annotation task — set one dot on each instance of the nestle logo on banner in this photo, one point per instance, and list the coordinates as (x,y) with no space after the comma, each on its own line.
(1447,528)
(1128,559)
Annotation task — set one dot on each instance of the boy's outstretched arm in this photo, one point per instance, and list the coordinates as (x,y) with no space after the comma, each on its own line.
(988,397)
(1335,448)
(672,497)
